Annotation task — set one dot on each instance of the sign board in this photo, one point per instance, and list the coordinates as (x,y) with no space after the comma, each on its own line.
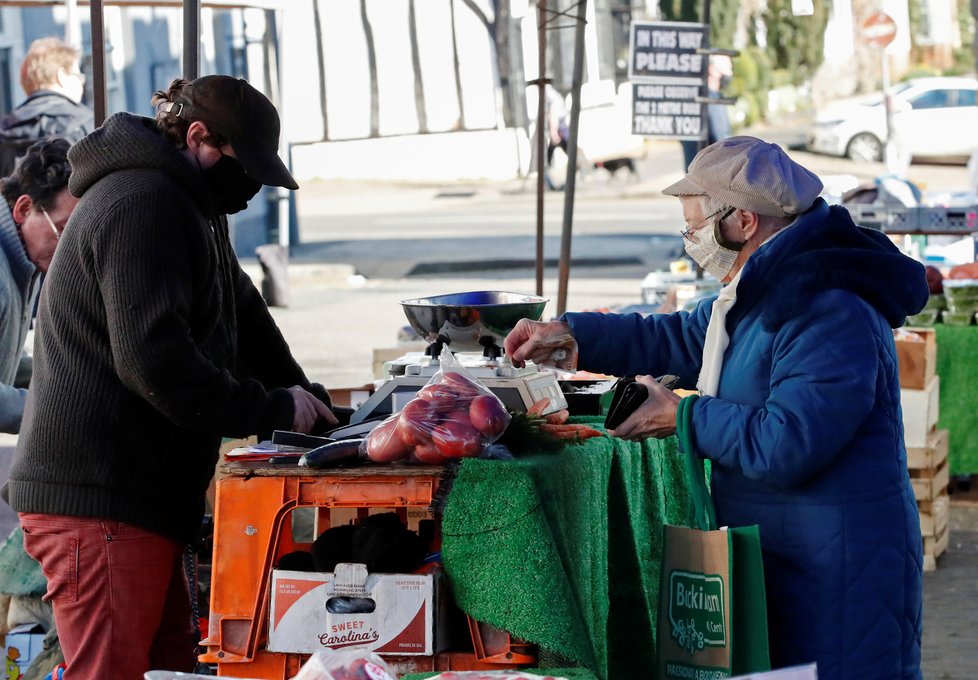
(669,109)
(878,29)
(666,49)
(668,74)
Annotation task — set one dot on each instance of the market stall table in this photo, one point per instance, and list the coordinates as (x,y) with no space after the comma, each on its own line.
(559,549)
(563,550)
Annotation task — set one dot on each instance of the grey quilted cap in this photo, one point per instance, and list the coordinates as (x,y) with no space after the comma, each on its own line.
(750,174)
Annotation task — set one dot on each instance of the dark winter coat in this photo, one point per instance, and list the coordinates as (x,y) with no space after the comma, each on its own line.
(806,436)
(43,115)
(151,345)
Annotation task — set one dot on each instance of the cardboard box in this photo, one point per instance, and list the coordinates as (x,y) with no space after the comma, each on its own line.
(920,412)
(23,643)
(351,397)
(917,358)
(409,618)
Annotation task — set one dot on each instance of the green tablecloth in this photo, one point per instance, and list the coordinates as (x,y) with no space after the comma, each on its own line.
(957,365)
(563,550)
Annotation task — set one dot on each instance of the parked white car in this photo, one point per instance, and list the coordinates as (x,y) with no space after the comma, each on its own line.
(933,117)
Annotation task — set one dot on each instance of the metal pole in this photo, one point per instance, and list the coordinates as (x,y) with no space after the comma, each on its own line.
(98,61)
(575,115)
(191,39)
(72,24)
(274,30)
(889,148)
(543,132)
(705,139)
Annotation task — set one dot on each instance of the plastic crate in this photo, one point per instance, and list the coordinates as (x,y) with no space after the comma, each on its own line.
(898,219)
(252,531)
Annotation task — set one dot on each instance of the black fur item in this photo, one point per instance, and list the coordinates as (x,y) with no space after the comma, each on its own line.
(381,542)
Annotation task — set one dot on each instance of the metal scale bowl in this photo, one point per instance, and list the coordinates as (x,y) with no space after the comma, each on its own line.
(475,321)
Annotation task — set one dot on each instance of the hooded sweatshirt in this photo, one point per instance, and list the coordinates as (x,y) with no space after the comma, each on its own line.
(152,344)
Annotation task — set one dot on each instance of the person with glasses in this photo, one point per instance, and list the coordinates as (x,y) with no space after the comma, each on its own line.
(36,208)
(798,404)
(55,86)
(152,344)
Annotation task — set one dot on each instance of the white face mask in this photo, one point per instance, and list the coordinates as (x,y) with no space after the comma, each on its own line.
(703,246)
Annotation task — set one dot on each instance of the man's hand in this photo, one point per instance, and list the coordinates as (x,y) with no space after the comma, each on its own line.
(537,341)
(656,417)
(308,411)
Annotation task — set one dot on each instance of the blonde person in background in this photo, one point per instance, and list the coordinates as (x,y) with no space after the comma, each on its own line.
(55,85)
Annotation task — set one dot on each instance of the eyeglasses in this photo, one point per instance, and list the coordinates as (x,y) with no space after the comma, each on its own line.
(57,233)
(688,231)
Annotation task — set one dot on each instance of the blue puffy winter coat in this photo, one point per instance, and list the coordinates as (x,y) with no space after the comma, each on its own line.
(806,435)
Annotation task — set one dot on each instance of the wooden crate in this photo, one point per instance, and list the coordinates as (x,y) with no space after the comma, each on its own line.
(932,454)
(929,483)
(920,412)
(917,358)
(934,547)
(934,522)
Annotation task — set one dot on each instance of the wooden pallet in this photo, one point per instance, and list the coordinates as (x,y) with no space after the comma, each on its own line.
(921,411)
(935,522)
(934,547)
(928,485)
(932,454)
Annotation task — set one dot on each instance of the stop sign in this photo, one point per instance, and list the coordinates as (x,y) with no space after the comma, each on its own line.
(879,29)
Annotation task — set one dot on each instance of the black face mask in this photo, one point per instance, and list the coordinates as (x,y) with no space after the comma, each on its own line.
(230,184)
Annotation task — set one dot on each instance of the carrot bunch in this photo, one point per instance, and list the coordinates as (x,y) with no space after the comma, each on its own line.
(556,425)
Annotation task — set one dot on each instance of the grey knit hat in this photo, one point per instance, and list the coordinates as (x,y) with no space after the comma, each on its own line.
(750,174)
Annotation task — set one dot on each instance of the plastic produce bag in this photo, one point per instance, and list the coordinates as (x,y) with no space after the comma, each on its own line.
(348,664)
(453,416)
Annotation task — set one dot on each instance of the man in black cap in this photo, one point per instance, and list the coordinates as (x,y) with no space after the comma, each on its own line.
(152,344)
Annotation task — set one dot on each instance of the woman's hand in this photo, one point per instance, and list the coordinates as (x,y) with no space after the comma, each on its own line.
(656,417)
(537,341)
(308,411)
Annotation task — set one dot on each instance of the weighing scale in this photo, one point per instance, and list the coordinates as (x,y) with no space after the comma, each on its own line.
(473,326)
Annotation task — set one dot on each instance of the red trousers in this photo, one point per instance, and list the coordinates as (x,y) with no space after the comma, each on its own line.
(120,596)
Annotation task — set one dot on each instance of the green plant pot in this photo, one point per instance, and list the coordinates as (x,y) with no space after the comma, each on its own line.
(937,301)
(957,318)
(926,317)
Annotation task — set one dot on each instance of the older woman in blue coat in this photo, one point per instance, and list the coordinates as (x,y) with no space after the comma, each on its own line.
(800,401)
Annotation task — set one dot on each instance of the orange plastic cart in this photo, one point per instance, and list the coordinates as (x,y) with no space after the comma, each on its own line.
(252,531)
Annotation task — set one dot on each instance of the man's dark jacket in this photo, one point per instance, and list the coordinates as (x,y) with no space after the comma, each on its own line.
(152,344)
(43,115)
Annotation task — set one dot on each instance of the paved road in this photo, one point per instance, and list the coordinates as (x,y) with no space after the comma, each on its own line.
(621,222)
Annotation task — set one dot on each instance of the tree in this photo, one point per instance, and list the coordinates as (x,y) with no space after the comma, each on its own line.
(723,17)
(795,43)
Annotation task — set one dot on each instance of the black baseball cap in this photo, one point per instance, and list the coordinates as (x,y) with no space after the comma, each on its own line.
(231,107)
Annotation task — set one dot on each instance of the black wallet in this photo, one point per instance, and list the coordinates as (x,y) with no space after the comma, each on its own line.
(629,395)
